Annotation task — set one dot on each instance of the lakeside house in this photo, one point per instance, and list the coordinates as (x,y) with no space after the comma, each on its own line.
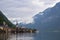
(17,30)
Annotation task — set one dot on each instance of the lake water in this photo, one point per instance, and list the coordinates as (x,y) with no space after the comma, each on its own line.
(33,36)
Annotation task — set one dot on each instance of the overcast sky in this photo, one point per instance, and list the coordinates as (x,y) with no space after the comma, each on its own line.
(23,10)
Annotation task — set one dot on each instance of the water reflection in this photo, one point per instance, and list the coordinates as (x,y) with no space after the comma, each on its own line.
(31,36)
(24,36)
(4,36)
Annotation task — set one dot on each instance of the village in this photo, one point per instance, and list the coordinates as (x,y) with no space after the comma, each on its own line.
(5,29)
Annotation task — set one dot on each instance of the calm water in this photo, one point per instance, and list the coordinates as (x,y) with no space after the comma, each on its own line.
(32,36)
(25,36)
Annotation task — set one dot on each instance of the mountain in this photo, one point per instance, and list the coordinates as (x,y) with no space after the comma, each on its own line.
(3,18)
(49,20)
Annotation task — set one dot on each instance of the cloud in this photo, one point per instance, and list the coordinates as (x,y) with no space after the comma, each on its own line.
(24,20)
(24,8)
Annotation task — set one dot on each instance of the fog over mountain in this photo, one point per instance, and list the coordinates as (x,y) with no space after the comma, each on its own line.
(49,19)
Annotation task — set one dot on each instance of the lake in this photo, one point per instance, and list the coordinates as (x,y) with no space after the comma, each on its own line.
(32,36)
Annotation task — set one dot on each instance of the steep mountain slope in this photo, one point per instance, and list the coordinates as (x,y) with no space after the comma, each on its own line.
(49,20)
(3,18)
